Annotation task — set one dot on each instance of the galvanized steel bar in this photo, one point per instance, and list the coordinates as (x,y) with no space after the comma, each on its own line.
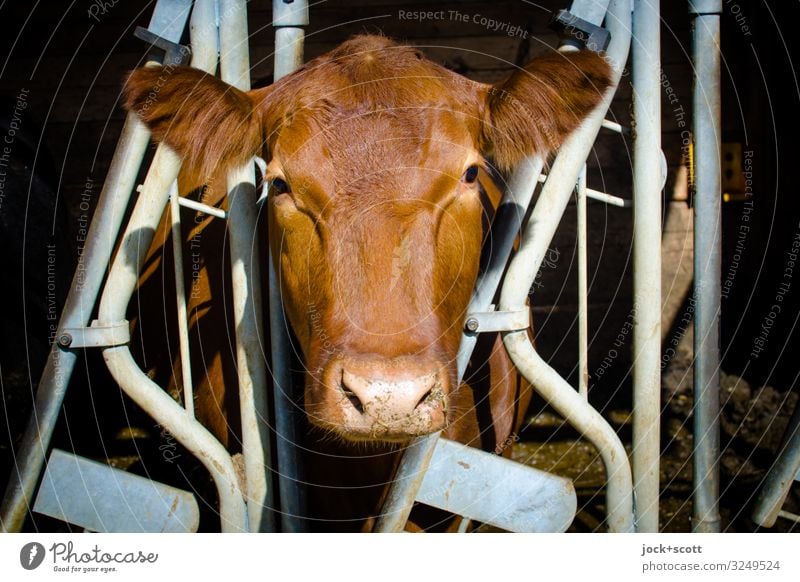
(289,18)
(783,472)
(200,207)
(92,265)
(535,239)
(707,261)
(647,184)
(246,283)
(121,283)
(180,300)
(583,295)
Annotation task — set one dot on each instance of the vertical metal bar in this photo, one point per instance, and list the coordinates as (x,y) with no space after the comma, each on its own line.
(180,300)
(122,280)
(583,299)
(289,18)
(521,273)
(246,282)
(647,184)
(707,261)
(77,312)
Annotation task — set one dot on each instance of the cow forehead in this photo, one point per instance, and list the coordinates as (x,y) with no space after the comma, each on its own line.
(372,106)
(353,149)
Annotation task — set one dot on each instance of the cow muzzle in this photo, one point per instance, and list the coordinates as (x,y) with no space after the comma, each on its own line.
(390,400)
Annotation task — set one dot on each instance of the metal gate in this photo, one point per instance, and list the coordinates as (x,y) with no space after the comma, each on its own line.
(220,27)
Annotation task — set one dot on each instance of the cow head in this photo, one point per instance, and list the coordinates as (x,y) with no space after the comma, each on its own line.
(375,210)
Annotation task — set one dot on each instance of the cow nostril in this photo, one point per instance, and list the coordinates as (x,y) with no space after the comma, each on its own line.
(431,396)
(427,397)
(354,400)
(351,396)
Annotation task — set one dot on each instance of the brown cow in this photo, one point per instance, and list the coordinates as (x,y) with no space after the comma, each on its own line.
(376,219)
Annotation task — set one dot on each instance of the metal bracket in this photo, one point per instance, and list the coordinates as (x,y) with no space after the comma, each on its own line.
(486,321)
(97,336)
(165,29)
(579,32)
(174,53)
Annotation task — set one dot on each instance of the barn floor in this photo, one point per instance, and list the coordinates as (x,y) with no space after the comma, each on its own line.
(752,422)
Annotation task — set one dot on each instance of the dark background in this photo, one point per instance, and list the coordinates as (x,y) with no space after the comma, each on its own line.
(71,68)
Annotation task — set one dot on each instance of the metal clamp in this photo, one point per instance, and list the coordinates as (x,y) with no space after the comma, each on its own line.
(486,321)
(174,53)
(579,32)
(96,336)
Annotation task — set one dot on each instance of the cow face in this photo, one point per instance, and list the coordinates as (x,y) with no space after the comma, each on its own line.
(375,210)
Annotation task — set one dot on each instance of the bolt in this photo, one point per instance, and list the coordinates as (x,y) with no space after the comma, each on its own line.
(64,340)
(472,325)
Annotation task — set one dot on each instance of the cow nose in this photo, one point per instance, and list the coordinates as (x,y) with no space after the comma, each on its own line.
(391,402)
(379,397)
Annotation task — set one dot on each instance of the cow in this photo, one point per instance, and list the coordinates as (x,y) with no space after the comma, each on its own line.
(378,205)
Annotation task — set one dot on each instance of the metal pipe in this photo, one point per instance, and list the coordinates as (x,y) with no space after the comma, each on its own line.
(246,283)
(583,295)
(200,207)
(521,274)
(180,300)
(599,196)
(783,472)
(505,227)
(707,261)
(289,18)
(647,184)
(92,263)
(122,280)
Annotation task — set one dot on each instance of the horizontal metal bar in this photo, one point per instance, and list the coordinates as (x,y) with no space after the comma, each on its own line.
(601,196)
(498,491)
(789,515)
(609,198)
(96,336)
(614,126)
(200,207)
(486,321)
(101,498)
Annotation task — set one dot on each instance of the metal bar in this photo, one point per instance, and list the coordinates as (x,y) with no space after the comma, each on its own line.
(180,300)
(608,198)
(593,11)
(789,515)
(77,312)
(505,227)
(707,262)
(600,196)
(200,207)
(614,126)
(121,283)
(246,282)
(583,295)
(288,19)
(783,472)
(128,503)
(535,239)
(647,186)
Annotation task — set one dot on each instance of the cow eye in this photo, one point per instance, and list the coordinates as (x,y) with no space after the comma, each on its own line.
(280,186)
(470,175)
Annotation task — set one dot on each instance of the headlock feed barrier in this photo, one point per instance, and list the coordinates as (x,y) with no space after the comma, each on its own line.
(219,36)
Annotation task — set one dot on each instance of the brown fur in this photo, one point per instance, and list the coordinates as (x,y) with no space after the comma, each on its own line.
(378,241)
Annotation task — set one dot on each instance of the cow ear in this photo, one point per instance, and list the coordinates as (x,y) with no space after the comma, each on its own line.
(210,124)
(538,106)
